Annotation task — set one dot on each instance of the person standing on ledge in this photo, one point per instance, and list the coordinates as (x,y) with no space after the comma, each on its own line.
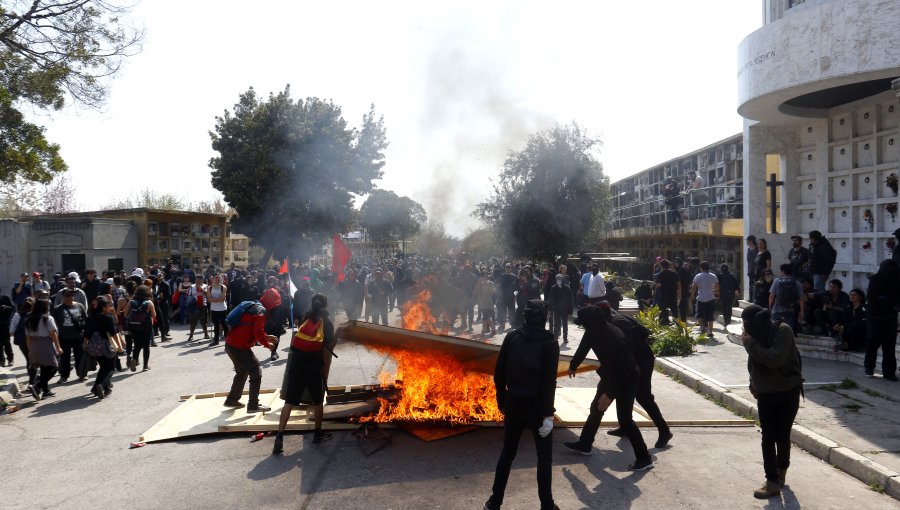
(239,343)
(306,374)
(525,378)
(776,382)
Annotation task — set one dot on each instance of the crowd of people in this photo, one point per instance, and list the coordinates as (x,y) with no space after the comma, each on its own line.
(799,292)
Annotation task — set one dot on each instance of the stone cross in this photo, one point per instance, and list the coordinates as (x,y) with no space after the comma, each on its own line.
(773,184)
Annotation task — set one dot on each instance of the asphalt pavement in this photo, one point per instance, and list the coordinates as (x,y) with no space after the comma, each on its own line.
(72,451)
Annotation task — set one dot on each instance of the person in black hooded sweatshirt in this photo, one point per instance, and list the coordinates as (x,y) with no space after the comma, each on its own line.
(619,380)
(525,377)
(776,382)
(882,321)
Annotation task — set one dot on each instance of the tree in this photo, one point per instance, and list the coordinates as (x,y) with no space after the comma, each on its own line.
(290,169)
(388,217)
(59,196)
(433,241)
(50,50)
(481,244)
(551,198)
(150,199)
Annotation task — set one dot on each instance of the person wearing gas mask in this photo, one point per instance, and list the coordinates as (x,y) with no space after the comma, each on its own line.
(776,382)
(619,380)
(525,377)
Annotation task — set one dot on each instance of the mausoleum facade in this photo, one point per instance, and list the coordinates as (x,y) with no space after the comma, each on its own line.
(814,88)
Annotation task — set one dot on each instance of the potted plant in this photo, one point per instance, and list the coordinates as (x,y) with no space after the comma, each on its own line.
(867,245)
(892,210)
(891,181)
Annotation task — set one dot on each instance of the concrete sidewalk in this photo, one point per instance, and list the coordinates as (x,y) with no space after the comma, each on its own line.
(848,420)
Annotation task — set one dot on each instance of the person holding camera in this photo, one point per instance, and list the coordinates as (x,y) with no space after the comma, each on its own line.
(776,382)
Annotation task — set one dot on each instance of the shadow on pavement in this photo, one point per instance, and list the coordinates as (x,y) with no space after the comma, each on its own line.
(52,406)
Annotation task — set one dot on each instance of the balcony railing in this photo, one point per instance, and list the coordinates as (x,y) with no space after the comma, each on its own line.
(721,202)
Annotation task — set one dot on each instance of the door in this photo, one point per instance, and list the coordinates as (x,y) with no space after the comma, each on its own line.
(73,263)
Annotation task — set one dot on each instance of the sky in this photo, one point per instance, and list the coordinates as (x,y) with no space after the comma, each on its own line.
(459,84)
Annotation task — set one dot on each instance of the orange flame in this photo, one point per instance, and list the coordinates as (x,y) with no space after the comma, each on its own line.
(434,387)
(417,314)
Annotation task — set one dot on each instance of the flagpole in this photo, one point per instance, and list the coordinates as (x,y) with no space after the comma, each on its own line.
(291,298)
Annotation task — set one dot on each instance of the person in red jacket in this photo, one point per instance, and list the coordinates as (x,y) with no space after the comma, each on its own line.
(250,331)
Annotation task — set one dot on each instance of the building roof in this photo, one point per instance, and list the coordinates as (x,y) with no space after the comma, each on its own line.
(732,138)
(114,212)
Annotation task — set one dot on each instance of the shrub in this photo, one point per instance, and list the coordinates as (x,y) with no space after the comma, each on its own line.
(673,340)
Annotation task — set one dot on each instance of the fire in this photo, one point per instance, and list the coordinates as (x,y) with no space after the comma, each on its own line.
(417,314)
(434,387)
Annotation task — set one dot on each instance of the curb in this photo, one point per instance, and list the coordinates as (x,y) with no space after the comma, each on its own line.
(9,386)
(845,459)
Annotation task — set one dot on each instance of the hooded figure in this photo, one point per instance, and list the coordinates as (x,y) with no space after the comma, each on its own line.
(884,298)
(525,377)
(619,377)
(776,382)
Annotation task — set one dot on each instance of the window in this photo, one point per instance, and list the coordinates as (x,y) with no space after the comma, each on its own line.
(115,264)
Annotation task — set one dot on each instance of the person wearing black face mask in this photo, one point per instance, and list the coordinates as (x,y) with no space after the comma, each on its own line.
(776,382)
(525,377)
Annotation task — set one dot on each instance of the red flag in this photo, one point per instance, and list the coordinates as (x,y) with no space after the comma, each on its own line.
(341,255)
(284,267)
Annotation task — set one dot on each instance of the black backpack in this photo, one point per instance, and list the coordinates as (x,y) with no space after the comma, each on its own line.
(788,292)
(139,320)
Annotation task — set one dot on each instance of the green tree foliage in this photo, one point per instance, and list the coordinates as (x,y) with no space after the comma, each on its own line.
(481,244)
(551,198)
(433,241)
(290,169)
(388,217)
(49,50)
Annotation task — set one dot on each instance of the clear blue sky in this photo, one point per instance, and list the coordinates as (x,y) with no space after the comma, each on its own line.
(459,85)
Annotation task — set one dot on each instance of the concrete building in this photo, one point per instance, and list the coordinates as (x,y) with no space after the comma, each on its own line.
(57,245)
(707,223)
(116,239)
(814,88)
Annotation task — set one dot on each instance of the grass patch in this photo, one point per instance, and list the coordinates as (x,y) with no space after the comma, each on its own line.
(873,393)
(876,487)
(848,384)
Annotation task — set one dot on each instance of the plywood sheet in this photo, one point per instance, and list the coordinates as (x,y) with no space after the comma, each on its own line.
(573,405)
(201,416)
(476,355)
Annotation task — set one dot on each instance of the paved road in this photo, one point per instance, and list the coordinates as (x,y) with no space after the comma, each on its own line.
(71,452)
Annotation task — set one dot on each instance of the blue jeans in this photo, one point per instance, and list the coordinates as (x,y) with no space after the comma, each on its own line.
(819,282)
(789,318)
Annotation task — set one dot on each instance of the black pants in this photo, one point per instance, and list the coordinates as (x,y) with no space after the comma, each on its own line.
(624,406)
(520,415)
(31,369)
(6,350)
(882,334)
(506,310)
(776,416)
(379,313)
(219,325)
(246,366)
(683,308)
(727,304)
(664,310)
(162,319)
(645,399)
(141,343)
(70,346)
(47,373)
(561,322)
(105,368)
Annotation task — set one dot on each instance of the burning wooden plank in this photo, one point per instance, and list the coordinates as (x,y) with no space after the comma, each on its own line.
(474,355)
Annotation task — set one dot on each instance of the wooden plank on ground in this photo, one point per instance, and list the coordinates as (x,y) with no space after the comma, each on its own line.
(573,405)
(197,417)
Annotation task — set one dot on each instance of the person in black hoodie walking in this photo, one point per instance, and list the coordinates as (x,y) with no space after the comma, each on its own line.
(776,382)
(525,377)
(882,321)
(619,379)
